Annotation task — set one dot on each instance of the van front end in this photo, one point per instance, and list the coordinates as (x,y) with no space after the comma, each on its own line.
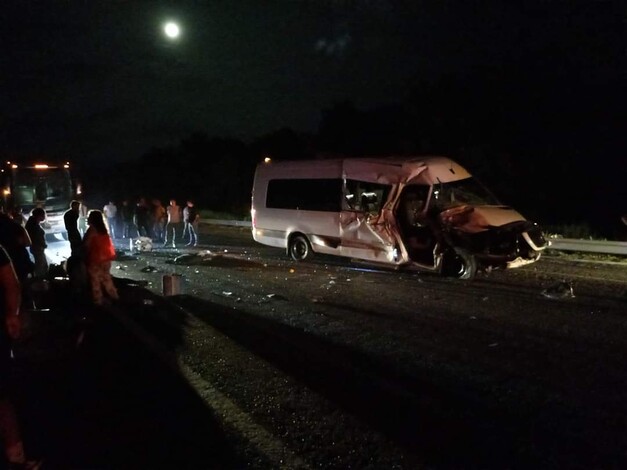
(496,237)
(508,246)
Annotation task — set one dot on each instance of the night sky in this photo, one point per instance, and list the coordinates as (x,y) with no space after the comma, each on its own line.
(99,80)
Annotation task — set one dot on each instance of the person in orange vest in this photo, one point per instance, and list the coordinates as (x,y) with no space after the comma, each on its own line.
(99,252)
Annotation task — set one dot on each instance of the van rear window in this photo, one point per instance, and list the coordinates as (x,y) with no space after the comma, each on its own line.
(305,194)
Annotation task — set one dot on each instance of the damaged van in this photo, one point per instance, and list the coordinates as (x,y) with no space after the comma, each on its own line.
(426,213)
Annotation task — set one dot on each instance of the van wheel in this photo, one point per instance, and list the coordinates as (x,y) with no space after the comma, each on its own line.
(300,249)
(459,263)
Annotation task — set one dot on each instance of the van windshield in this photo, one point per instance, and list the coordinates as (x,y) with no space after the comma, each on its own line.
(457,193)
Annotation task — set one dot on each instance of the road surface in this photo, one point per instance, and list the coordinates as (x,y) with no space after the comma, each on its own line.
(332,364)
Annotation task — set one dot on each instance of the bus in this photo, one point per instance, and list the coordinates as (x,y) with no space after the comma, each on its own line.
(427,213)
(40,183)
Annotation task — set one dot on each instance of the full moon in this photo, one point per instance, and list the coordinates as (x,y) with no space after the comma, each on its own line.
(172,30)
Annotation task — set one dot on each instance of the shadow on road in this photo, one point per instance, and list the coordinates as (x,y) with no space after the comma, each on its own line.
(109,402)
(437,419)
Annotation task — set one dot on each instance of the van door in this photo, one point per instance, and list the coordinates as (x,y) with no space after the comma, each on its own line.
(416,228)
(361,236)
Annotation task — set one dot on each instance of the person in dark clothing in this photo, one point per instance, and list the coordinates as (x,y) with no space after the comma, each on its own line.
(75,266)
(190,218)
(15,239)
(10,328)
(38,241)
(128,226)
(142,218)
(70,219)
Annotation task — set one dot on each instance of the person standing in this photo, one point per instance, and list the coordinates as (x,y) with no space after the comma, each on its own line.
(99,252)
(10,329)
(190,218)
(38,241)
(70,219)
(128,226)
(82,218)
(142,218)
(160,219)
(16,241)
(111,213)
(174,224)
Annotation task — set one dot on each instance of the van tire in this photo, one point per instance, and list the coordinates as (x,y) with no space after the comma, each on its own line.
(460,263)
(299,248)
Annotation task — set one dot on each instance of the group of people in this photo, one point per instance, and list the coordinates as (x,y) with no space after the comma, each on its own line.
(92,254)
(164,224)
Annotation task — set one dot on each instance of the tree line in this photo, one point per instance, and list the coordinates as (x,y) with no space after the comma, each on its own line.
(551,151)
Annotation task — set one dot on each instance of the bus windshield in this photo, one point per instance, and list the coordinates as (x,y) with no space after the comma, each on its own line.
(51,187)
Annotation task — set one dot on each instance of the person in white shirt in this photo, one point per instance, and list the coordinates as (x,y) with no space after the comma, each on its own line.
(175,223)
(111,213)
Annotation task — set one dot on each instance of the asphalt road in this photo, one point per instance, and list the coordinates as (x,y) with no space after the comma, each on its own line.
(337,365)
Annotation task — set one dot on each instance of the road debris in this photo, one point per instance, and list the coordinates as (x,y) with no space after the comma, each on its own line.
(276,297)
(559,290)
(187,258)
(123,256)
(149,269)
(142,244)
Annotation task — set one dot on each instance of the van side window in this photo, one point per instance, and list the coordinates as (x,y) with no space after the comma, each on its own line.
(305,194)
(365,197)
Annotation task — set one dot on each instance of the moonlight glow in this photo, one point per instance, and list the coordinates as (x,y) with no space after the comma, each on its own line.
(172,30)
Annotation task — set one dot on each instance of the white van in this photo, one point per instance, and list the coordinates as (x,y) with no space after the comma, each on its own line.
(422,212)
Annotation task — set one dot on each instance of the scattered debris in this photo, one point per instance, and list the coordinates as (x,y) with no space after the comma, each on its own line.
(227,294)
(143,244)
(493,345)
(484,298)
(292,270)
(149,269)
(276,297)
(123,256)
(135,283)
(559,290)
(121,268)
(148,302)
(188,258)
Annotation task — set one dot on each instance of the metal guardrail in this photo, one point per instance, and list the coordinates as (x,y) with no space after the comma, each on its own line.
(232,223)
(607,247)
(562,244)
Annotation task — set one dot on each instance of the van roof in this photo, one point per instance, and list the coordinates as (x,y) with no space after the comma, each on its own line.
(385,169)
